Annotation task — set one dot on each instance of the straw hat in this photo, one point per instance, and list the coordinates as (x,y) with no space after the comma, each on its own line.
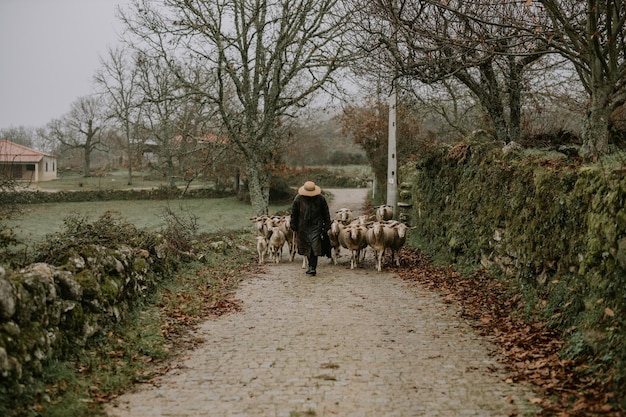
(309,189)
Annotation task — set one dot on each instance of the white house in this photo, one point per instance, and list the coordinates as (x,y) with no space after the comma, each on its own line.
(21,163)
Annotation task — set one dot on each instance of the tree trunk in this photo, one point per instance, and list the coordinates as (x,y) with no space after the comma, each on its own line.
(596,126)
(129,151)
(492,101)
(488,93)
(87,162)
(515,100)
(259,187)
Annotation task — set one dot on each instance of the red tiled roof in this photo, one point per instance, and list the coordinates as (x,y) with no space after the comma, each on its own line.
(16,153)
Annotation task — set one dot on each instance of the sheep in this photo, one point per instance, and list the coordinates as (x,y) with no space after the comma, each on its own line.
(375,237)
(276,241)
(333,236)
(362,219)
(343,215)
(261,248)
(395,236)
(284,224)
(260,224)
(384,213)
(352,237)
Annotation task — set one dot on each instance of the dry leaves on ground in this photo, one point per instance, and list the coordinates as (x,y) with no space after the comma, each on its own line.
(529,349)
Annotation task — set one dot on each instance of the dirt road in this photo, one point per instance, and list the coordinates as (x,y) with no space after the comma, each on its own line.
(354,343)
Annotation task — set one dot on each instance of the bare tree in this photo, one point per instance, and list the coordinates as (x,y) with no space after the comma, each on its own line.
(81,128)
(592,35)
(476,43)
(159,91)
(262,60)
(20,134)
(117,79)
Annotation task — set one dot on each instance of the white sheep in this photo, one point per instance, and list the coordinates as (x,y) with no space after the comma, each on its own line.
(352,237)
(276,241)
(384,213)
(261,248)
(363,219)
(260,223)
(376,240)
(333,236)
(343,215)
(284,224)
(395,237)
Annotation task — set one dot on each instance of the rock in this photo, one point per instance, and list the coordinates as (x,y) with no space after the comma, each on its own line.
(70,288)
(8,300)
(512,147)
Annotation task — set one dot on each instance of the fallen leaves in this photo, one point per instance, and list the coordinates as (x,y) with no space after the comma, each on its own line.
(530,350)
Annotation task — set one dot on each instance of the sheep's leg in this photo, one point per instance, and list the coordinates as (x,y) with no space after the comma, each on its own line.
(276,253)
(335,255)
(293,249)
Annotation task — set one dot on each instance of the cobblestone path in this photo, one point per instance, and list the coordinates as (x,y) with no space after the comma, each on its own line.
(353,343)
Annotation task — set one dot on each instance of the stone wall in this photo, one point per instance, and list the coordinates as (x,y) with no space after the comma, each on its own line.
(557,226)
(47,310)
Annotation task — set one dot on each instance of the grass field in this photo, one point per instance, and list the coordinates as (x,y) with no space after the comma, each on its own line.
(114,180)
(212,215)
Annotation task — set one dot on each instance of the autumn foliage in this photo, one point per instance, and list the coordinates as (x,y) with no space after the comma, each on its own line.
(368,125)
(529,348)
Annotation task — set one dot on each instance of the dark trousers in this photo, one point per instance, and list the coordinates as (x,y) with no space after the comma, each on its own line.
(312,260)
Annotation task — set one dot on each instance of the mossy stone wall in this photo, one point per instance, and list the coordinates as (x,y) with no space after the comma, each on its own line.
(46,311)
(556,225)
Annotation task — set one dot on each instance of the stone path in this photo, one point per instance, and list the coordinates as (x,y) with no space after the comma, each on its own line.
(354,343)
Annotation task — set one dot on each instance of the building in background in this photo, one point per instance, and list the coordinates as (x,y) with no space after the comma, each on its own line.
(21,163)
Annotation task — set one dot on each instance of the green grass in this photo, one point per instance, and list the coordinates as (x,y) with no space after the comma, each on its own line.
(212,215)
(114,180)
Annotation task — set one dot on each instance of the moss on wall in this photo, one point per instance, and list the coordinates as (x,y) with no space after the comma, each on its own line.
(47,310)
(557,226)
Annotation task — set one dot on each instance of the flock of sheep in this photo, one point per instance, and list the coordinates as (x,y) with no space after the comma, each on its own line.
(379,232)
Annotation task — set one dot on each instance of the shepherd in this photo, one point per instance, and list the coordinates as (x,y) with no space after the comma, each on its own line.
(310,218)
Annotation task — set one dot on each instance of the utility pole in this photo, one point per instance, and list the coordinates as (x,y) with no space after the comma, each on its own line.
(392,183)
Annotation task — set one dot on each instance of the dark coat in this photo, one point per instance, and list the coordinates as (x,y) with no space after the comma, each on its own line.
(309,219)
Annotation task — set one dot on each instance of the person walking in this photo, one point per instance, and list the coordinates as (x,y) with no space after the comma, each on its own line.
(310,219)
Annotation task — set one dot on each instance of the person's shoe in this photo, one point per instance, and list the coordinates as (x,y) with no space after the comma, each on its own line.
(311,272)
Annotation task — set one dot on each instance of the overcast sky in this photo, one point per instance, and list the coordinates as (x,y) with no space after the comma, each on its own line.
(49,53)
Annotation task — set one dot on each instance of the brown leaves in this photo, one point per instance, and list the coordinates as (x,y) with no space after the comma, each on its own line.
(530,349)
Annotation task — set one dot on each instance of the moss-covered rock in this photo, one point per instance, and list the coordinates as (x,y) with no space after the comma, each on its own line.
(47,311)
(560,228)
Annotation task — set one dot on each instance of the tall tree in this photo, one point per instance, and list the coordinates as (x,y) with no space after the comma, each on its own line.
(20,134)
(117,78)
(262,59)
(477,43)
(160,111)
(81,128)
(592,35)
(368,125)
